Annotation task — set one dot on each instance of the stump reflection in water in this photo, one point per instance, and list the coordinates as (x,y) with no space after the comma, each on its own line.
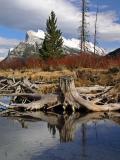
(65,124)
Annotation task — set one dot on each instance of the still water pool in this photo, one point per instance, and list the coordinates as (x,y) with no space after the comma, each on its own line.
(53,137)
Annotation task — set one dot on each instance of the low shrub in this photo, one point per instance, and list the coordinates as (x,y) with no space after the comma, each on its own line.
(67,62)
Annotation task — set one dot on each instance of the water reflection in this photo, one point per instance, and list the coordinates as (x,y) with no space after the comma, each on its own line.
(37,135)
(52,129)
(66,124)
(83,146)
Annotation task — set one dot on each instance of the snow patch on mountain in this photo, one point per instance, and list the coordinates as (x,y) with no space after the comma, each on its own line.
(72,43)
(2,58)
(32,36)
(35,37)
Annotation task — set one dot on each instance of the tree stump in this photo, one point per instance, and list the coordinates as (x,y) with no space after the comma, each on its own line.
(76,101)
(68,89)
(68,96)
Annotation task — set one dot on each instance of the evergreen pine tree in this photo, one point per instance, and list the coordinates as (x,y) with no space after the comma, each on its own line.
(52,44)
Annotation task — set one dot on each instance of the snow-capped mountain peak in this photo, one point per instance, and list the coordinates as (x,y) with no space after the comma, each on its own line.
(72,43)
(32,37)
(33,42)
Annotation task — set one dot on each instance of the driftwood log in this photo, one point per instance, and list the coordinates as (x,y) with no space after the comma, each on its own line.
(68,95)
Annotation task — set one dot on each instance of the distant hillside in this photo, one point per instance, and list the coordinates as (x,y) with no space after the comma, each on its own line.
(115,53)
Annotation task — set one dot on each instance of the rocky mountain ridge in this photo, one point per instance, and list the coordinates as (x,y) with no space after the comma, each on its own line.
(33,42)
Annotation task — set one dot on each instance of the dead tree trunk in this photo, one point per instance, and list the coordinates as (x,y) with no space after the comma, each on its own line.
(73,98)
(83,26)
(95,35)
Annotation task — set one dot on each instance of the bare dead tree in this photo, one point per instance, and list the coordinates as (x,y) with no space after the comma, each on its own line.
(83,27)
(95,34)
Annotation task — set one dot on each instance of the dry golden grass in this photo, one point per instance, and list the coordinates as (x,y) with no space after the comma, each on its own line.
(35,74)
(83,76)
(48,88)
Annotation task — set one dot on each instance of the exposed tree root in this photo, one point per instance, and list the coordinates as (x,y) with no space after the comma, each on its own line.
(68,95)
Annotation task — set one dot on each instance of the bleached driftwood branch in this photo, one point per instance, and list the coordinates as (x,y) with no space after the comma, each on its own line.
(69,95)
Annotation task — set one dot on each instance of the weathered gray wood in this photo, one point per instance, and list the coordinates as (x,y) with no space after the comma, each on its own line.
(69,96)
(12,84)
(73,98)
(47,100)
(29,95)
(98,89)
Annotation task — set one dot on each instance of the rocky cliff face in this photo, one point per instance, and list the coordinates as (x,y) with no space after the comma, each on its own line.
(28,47)
(22,50)
(33,42)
